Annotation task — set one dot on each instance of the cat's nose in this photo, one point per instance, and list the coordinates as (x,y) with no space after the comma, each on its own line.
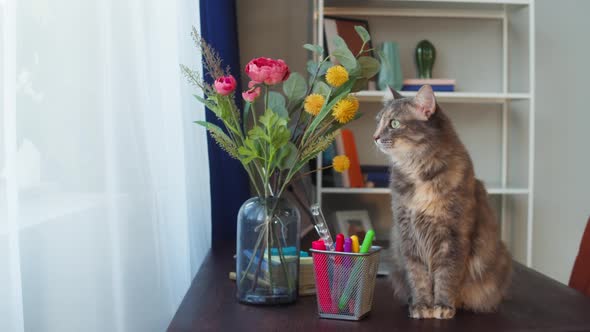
(375,138)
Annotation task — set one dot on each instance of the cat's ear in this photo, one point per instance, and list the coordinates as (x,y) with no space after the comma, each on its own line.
(425,102)
(395,94)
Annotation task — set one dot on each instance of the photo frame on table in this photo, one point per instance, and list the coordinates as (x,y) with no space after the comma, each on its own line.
(344,27)
(354,222)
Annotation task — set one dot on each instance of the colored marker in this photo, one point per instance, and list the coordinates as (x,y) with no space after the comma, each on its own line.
(367,242)
(355,243)
(365,247)
(321,277)
(348,245)
(340,242)
(348,261)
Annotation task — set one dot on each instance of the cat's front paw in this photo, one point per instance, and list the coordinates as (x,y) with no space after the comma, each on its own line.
(443,312)
(420,311)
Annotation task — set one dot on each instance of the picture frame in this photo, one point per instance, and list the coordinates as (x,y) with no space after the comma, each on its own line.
(353,222)
(344,27)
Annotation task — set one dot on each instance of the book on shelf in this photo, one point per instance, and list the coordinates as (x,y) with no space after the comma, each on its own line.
(376,176)
(354,174)
(344,144)
(345,179)
(437,84)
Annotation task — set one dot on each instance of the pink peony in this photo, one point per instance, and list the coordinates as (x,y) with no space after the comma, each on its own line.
(225,85)
(251,94)
(268,71)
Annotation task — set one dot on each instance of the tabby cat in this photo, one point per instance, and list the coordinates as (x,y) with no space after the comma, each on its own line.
(445,245)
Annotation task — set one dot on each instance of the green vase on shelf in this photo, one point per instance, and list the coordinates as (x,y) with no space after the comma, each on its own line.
(390,74)
(425,57)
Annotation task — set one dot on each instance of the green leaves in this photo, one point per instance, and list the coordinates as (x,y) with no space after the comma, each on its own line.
(321,88)
(287,156)
(314,48)
(369,66)
(276,102)
(249,151)
(276,132)
(269,143)
(295,89)
(363,33)
(245,113)
(312,67)
(343,54)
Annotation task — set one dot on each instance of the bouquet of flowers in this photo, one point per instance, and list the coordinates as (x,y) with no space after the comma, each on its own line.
(286,121)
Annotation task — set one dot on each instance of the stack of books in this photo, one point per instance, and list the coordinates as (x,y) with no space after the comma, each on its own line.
(344,144)
(437,84)
(306,276)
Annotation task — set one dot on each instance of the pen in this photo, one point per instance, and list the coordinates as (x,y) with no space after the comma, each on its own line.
(367,242)
(321,227)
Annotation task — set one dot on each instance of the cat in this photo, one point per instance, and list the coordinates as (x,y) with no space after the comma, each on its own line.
(444,239)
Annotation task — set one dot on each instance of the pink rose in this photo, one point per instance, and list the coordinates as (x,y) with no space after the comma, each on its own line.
(268,71)
(251,94)
(225,85)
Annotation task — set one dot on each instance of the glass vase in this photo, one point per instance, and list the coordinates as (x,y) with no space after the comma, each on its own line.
(267,256)
(390,74)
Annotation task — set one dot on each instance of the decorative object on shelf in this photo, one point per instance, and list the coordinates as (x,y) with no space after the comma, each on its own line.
(425,58)
(354,222)
(346,29)
(390,74)
(285,123)
(437,84)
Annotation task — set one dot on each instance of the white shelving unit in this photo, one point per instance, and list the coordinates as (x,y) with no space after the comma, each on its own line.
(498,10)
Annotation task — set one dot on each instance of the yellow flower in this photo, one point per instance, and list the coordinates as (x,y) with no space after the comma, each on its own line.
(340,163)
(313,103)
(336,76)
(345,109)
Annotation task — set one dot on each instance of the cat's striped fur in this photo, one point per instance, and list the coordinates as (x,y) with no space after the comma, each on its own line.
(445,245)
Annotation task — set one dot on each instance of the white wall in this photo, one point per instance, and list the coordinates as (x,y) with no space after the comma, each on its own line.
(562,178)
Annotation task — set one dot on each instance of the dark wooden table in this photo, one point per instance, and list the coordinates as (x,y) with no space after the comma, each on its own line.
(536,303)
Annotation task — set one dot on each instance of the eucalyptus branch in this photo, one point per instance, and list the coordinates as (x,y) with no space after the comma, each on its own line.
(362,50)
(309,89)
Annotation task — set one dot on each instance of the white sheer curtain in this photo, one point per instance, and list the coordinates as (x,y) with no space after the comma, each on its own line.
(104,186)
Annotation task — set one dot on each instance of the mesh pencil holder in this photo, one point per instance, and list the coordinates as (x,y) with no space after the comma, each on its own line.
(345,282)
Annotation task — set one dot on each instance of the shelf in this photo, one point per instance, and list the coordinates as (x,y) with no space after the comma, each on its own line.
(476,2)
(415,12)
(474,9)
(491,191)
(449,97)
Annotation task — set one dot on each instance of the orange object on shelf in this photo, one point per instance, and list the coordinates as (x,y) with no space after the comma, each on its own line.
(354,172)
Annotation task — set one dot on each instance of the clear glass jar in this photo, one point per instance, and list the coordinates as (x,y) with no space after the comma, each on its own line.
(268,227)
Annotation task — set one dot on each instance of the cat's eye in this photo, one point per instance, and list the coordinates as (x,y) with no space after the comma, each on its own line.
(394,124)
